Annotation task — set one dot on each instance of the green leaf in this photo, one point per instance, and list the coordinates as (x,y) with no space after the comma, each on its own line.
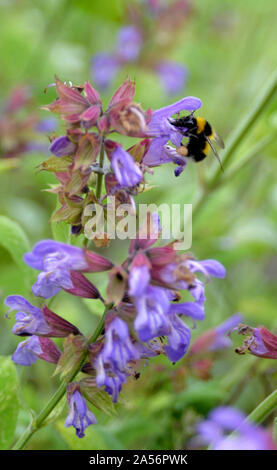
(15,241)
(60,230)
(9,404)
(9,164)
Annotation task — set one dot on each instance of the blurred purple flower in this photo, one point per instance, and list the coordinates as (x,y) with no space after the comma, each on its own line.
(129,42)
(79,414)
(173,76)
(225,420)
(104,69)
(216,338)
(47,125)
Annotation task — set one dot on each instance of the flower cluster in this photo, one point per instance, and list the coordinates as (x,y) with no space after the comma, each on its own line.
(20,126)
(78,156)
(144,313)
(152,29)
(222,421)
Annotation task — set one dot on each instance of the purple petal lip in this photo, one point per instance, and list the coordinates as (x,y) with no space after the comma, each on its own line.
(208,267)
(71,255)
(189,103)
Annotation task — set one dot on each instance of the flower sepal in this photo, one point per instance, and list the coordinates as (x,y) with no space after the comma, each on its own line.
(74,349)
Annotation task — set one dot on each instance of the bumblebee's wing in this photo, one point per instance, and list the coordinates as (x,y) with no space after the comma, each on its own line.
(215,152)
(218,140)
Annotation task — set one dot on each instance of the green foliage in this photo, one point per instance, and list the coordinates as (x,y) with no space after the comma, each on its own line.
(9,404)
(229,47)
(15,241)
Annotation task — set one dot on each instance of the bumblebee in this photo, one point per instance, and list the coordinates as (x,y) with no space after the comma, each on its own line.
(200,134)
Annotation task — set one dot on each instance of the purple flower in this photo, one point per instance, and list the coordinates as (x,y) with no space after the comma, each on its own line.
(34,321)
(27,352)
(225,420)
(62,146)
(221,340)
(173,76)
(56,261)
(104,69)
(178,339)
(112,361)
(47,125)
(152,307)
(129,42)
(30,319)
(127,172)
(260,342)
(216,338)
(79,414)
(163,131)
(176,158)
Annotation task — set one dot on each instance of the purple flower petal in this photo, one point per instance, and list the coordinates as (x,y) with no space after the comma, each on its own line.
(30,319)
(138,280)
(127,172)
(152,308)
(208,267)
(178,340)
(27,352)
(79,414)
(190,309)
(62,146)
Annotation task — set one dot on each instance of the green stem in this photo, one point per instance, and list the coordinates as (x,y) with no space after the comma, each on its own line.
(100,175)
(260,413)
(54,400)
(238,136)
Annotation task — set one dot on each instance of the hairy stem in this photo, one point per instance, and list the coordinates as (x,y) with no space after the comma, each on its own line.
(38,421)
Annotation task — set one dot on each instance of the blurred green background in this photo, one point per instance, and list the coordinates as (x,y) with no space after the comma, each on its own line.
(229,48)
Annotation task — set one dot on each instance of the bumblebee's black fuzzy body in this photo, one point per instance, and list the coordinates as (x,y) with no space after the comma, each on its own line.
(197,130)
